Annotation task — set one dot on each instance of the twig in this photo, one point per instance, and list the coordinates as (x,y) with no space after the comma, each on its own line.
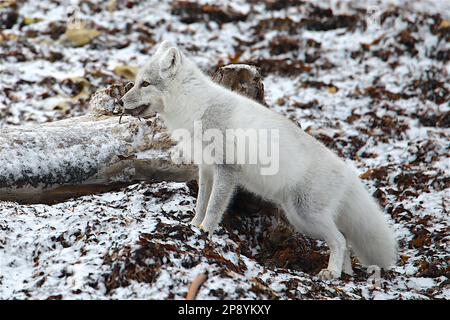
(195,286)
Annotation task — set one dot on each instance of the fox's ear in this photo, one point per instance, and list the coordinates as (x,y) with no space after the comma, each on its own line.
(163,46)
(169,62)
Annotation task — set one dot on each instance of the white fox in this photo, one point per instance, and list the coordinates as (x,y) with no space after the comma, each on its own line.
(320,196)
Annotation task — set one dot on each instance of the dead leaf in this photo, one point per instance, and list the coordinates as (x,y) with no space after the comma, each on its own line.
(79,35)
(127,72)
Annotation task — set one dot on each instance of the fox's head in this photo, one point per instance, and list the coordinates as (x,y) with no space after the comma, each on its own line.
(146,96)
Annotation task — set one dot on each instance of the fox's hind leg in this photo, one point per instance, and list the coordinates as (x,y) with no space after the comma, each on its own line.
(319,224)
(205,182)
(337,244)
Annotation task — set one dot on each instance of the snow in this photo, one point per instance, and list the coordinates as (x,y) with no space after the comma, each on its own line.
(46,153)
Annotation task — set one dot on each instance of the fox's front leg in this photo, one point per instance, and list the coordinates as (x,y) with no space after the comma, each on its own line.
(224,185)
(205,182)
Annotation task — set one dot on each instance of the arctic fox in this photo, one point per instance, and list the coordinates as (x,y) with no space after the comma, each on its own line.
(320,196)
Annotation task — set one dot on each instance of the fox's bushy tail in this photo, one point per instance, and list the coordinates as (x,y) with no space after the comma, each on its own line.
(366,229)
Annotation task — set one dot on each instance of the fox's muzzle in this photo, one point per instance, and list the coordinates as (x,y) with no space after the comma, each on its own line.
(136,111)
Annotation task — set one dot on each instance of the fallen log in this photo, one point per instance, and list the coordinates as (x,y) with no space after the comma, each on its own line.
(79,156)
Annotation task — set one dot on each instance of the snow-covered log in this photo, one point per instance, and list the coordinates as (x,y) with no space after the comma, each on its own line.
(83,155)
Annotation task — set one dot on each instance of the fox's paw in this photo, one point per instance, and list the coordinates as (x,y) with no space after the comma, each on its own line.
(326,274)
(204,229)
(196,221)
(207,228)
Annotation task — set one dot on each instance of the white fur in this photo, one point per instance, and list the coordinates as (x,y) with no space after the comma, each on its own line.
(319,194)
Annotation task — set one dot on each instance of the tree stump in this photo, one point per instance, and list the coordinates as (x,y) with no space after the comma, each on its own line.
(242,78)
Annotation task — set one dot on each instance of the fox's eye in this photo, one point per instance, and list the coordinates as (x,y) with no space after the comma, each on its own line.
(145,84)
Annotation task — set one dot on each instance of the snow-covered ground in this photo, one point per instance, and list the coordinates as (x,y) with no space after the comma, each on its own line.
(369,79)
